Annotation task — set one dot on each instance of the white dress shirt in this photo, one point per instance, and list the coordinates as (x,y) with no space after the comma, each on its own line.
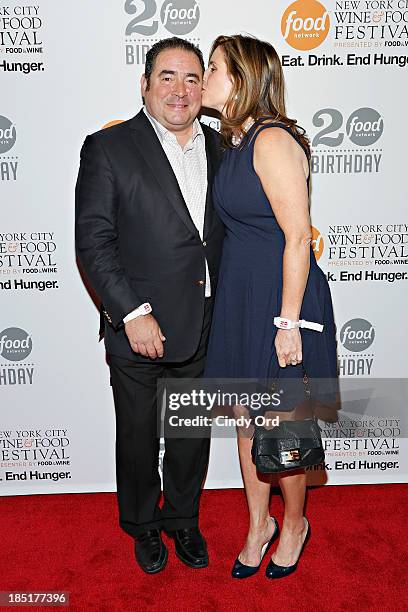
(189,164)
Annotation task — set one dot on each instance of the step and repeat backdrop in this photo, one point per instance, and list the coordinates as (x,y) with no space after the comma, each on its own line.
(69,68)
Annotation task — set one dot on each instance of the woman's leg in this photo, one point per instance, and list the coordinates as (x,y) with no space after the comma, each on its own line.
(293,532)
(292,484)
(257,491)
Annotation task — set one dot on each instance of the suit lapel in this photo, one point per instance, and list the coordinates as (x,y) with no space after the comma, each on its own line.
(150,148)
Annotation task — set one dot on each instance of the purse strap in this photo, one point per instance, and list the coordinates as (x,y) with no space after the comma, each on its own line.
(306,382)
(306,386)
(308,391)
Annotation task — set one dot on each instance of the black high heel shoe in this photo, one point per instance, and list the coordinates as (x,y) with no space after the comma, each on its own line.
(239,570)
(280,571)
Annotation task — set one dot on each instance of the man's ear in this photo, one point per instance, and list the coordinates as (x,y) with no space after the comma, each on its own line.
(143,85)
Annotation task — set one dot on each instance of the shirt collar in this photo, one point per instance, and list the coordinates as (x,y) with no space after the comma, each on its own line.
(163,132)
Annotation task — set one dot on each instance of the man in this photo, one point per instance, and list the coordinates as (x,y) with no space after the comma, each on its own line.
(149,241)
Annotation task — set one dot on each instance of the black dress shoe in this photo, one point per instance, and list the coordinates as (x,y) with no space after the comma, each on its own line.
(240,570)
(190,546)
(150,551)
(280,571)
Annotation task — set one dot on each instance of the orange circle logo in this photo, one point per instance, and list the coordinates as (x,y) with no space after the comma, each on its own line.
(317,243)
(305,24)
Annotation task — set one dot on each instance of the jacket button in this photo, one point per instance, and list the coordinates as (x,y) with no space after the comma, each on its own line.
(200,283)
(204,243)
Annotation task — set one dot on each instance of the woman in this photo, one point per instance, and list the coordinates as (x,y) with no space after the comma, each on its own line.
(268,270)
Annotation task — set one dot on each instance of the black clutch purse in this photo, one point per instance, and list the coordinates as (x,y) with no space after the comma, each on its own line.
(290,445)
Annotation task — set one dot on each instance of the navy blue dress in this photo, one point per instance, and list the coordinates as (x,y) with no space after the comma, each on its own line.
(249,292)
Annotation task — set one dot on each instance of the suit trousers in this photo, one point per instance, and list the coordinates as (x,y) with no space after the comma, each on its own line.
(137,445)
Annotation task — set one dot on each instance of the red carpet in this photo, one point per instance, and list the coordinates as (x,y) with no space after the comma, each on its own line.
(355,560)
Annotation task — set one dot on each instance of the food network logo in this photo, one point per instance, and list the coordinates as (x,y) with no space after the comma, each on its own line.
(317,243)
(305,24)
(8,136)
(356,336)
(363,128)
(15,344)
(179,17)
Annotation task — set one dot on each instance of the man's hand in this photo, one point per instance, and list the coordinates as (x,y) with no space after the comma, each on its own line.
(145,336)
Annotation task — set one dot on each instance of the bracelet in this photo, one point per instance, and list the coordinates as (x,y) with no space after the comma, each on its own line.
(284,323)
(142,310)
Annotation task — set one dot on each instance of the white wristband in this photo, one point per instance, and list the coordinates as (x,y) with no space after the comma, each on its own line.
(142,310)
(284,323)
(311,325)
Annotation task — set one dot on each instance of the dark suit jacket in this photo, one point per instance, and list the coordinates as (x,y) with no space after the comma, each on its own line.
(136,240)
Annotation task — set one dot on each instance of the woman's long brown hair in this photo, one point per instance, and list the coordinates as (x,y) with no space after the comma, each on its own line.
(258,89)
